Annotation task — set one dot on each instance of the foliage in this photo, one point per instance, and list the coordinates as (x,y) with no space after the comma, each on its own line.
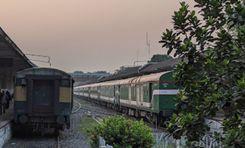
(210,43)
(121,132)
(160,58)
(87,123)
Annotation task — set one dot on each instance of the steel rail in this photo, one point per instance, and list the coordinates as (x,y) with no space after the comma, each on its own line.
(78,108)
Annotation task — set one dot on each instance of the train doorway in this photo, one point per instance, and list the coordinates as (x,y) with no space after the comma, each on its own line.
(43,96)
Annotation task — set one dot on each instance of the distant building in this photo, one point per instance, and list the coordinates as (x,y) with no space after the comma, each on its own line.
(89,77)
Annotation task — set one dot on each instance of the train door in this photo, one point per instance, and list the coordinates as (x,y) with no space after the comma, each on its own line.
(43,96)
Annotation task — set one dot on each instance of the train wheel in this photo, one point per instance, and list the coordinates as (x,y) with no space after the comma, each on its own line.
(156,119)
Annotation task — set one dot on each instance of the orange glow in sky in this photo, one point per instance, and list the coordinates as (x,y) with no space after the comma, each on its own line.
(87,35)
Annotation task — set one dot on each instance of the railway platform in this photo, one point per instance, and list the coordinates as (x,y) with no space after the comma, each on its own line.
(5,126)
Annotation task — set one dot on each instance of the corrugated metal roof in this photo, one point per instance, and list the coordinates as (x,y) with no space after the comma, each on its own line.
(143,70)
(122,74)
(159,67)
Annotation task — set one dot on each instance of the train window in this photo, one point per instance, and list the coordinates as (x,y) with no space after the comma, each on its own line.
(169,85)
(23,82)
(65,82)
(20,82)
(124,94)
(98,89)
(106,91)
(133,93)
(155,86)
(146,93)
(103,91)
(112,92)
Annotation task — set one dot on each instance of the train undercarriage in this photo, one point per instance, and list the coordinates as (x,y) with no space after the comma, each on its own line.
(157,119)
(41,124)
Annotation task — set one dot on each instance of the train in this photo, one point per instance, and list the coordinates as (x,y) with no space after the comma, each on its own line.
(43,99)
(150,96)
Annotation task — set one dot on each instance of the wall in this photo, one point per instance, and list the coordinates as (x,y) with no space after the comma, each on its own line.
(11,61)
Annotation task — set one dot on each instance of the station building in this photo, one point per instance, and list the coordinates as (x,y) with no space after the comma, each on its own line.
(12,60)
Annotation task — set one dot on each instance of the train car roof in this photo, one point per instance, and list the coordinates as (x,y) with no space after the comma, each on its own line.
(42,71)
(149,68)
(134,80)
(155,77)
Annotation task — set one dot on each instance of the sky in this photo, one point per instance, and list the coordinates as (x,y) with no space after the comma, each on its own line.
(87,35)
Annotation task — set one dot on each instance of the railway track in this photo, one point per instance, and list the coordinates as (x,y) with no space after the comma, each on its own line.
(78,106)
(95,111)
(96,115)
(97,119)
(98,112)
(90,110)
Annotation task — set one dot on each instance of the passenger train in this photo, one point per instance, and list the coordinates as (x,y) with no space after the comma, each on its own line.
(150,96)
(43,99)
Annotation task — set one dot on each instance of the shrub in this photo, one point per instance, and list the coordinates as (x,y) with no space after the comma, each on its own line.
(121,132)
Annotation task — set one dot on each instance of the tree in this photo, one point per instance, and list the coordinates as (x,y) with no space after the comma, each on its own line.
(210,43)
(78,72)
(160,58)
(121,132)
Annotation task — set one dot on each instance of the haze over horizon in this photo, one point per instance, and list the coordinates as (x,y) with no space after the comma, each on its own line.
(87,35)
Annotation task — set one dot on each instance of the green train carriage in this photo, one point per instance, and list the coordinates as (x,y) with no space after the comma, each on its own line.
(43,99)
(151,96)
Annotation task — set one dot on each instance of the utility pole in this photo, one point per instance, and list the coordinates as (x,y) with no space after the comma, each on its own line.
(137,55)
(148,45)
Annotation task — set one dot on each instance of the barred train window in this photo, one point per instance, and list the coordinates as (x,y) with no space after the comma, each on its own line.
(155,86)
(133,93)
(124,92)
(111,91)
(146,93)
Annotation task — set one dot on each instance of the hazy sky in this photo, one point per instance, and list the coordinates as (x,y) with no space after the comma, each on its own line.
(87,35)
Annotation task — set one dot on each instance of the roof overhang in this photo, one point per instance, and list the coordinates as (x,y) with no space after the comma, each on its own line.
(16,48)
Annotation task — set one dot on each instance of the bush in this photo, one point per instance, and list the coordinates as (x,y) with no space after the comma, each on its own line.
(121,132)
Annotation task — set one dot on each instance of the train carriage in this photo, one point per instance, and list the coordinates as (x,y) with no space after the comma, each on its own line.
(151,96)
(43,97)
